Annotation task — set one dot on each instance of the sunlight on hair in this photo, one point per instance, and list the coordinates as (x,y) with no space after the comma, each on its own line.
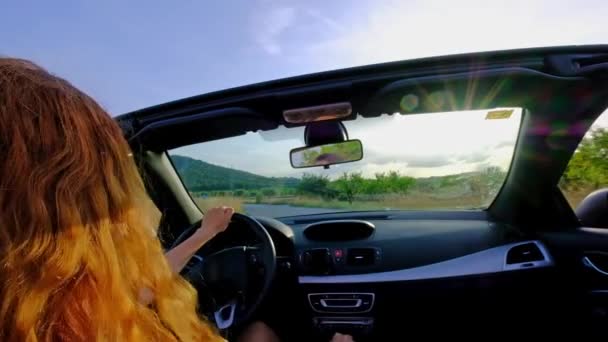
(77,228)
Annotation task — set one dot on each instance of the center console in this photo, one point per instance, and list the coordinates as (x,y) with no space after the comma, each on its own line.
(342,312)
(345,310)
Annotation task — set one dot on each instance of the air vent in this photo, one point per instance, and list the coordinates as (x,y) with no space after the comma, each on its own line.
(597,261)
(528,252)
(316,261)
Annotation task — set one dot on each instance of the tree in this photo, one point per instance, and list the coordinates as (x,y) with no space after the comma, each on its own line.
(589,164)
(287,191)
(269,192)
(494,176)
(379,185)
(392,182)
(239,193)
(399,184)
(317,185)
(349,185)
(487,182)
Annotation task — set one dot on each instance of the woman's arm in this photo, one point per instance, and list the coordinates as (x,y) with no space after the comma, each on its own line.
(216,220)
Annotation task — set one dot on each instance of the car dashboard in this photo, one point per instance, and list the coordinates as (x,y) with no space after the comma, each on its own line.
(369,273)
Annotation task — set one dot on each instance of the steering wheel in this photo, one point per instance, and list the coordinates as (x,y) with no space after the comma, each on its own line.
(235,279)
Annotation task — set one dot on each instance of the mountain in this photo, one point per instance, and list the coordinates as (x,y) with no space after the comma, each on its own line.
(201,176)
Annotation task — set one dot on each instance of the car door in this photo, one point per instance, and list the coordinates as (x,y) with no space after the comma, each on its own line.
(582,252)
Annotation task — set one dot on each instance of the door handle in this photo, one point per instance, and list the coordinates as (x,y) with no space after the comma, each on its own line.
(341,303)
(588,263)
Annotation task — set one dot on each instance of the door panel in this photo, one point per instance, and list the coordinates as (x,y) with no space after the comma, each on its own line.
(581,256)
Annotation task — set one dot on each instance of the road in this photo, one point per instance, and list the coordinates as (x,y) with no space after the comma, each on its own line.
(271,210)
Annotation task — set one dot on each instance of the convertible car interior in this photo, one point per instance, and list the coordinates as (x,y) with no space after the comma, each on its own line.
(526,261)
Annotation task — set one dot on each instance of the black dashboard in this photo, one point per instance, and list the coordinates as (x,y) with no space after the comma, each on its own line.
(352,270)
(337,245)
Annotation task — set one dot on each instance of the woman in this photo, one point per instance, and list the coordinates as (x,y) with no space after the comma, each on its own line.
(79,255)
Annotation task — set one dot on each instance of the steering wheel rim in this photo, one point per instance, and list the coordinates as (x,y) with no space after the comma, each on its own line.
(267,252)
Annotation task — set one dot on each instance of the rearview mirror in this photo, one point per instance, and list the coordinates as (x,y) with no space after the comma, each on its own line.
(330,111)
(325,155)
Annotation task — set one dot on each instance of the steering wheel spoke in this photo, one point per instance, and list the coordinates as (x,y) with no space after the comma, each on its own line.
(239,276)
(225,316)
(254,256)
(255,259)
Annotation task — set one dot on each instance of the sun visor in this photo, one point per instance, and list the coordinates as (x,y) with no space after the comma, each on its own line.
(212,125)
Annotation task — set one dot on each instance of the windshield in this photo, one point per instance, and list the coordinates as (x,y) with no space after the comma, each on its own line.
(453,160)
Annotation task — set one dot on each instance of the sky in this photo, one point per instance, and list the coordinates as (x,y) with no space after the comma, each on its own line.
(133,54)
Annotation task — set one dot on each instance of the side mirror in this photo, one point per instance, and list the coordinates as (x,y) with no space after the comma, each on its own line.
(593,210)
(328,154)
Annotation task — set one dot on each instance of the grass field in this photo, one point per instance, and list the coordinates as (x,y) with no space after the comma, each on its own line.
(210,202)
(393,202)
(412,202)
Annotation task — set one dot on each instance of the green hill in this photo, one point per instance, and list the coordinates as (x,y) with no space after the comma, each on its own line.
(201,176)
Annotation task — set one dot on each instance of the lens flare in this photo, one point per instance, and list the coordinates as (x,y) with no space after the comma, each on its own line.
(409,102)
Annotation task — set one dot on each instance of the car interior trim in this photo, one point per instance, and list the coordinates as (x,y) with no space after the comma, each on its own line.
(491,260)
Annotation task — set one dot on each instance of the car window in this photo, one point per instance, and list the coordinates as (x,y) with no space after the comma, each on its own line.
(587,170)
(451,160)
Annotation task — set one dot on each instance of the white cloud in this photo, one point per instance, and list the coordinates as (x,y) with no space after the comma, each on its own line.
(326,20)
(268,25)
(274,27)
(404,30)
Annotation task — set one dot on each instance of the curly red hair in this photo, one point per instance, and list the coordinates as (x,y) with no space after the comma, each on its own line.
(77,229)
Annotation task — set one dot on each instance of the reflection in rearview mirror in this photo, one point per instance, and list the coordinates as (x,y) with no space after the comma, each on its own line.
(330,111)
(324,155)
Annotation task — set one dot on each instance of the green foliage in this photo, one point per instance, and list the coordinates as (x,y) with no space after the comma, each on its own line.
(391,182)
(390,187)
(200,176)
(589,164)
(349,185)
(316,185)
(269,192)
(287,192)
(486,183)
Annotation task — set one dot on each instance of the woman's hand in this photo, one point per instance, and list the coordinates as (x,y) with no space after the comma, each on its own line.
(215,221)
